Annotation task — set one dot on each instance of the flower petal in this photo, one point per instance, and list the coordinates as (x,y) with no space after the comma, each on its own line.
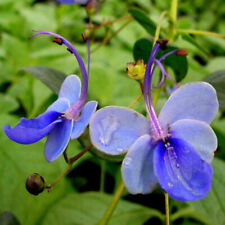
(80,125)
(198,134)
(114,129)
(191,101)
(57,140)
(137,167)
(32,130)
(60,105)
(73,1)
(70,88)
(180,170)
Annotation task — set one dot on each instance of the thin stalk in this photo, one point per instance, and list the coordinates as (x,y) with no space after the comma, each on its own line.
(173,11)
(92,26)
(157,32)
(173,19)
(107,39)
(102,179)
(68,168)
(113,204)
(70,162)
(201,32)
(167,209)
(135,100)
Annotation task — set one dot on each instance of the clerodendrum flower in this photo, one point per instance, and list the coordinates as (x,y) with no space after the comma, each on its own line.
(174,149)
(66,118)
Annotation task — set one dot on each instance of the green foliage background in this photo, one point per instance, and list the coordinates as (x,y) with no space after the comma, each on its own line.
(77,198)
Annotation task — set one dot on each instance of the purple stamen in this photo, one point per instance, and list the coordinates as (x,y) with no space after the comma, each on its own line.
(148,83)
(84,74)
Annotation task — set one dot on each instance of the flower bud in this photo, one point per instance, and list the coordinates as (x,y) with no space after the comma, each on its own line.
(35,184)
(136,70)
(91,6)
(182,52)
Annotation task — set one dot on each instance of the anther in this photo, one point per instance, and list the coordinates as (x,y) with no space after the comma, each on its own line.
(163,43)
(69,50)
(58,41)
(182,52)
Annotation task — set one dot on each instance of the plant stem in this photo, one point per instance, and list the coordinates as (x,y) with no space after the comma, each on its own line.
(173,11)
(167,209)
(70,162)
(201,32)
(102,179)
(76,157)
(107,39)
(173,19)
(68,168)
(157,32)
(135,101)
(113,204)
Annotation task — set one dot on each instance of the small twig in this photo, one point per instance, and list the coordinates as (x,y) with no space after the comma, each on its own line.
(70,162)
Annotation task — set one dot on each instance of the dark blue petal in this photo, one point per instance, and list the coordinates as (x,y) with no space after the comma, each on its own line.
(180,170)
(114,129)
(137,168)
(198,134)
(80,125)
(32,130)
(57,140)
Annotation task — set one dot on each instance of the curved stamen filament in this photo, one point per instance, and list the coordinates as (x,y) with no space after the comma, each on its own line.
(148,83)
(84,74)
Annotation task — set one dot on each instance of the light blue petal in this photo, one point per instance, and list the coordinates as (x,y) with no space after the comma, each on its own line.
(60,105)
(198,134)
(196,101)
(57,140)
(180,170)
(29,131)
(114,129)
(80,125)
(137,168)
(70,88)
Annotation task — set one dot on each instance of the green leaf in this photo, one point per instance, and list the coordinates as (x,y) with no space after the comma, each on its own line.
(50,77)
(217,79)
(8,104)
(142,49)
(88,208)
(213,206)
(40,16)
(179,65)
(143,20)
(8,218)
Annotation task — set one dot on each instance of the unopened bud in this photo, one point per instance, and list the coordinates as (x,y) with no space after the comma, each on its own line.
(35,184)
(182,52)
(136,70)
(163,43)
(91,6)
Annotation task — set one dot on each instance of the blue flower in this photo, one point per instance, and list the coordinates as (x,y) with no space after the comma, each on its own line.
(70,2)
(174,149)
(66,118)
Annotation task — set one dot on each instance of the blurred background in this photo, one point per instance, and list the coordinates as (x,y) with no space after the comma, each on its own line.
(83,195)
